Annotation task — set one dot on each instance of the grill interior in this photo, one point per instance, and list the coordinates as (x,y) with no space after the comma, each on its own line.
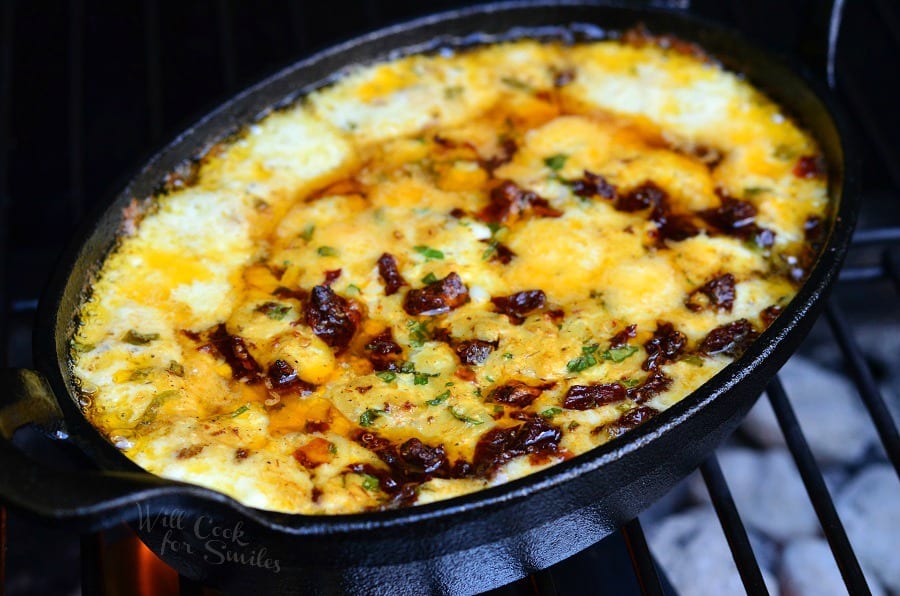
(87,88)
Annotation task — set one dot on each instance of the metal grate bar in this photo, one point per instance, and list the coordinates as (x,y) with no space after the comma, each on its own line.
(225,21)
(154,72)
(817,491)
(865,382)
(641,559)
(852,274)
(76,107)
(876,235)
(735,533)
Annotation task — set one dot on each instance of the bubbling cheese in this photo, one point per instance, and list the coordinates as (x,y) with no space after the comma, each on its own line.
(444,272)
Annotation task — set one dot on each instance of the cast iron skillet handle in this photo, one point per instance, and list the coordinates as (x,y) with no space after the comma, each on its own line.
(84,500)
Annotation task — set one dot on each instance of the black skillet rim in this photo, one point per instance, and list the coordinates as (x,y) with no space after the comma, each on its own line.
(50,352)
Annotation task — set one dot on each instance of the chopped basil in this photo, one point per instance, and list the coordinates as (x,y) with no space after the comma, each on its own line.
(241,410)
(176,368)
(585,361)
(516,84)
(370,482)
(332,448)
(462,417)
(619,354)
(494,227)
(327,251)
(428,252)
(784,153)
(155,404)
(478,392)
(507,356)
(418,333)
(693,360)
(368,417)
(630,382)
(276,311)
(354,288)
(439,399)
(407,368)
(136,338)
(430,278)
(573,425)
(140,374)
(453,92)
(556,162)
(551,412)
(308,231)
(489,251)
(420,378)
(386,375)
(752,191)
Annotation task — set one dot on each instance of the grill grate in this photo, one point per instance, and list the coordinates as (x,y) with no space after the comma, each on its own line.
(288,28)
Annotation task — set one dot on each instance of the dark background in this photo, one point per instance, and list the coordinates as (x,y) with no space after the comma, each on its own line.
(88,88)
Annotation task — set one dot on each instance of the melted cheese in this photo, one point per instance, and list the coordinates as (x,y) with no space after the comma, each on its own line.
(375,164)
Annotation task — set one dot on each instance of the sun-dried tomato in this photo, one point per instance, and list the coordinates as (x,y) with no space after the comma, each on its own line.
(438,297)
(387,269)
(731,339)
(474,351)
(585,397)
(665,345)
(332,317)
(518,305)
(718,294)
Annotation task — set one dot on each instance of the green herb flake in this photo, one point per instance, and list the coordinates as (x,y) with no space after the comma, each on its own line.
(370,482)
(694,360)
(332,448)
(276,311)
(619,354)
(155,404)
(243,409)
(429,279)
(585,361)
(489,251)
(418,333)
(551,412)
(439,399)
(136,338)
(327,251)
(387,376)
(556,162)
(784,153)
(176,368)
(453,92)
(354,289)
(630,383)
(140,374)
(428,252)
(461,416)
(507,356)
(573,425)
(752,191)
(407,368)
(494,227)
(420,378)
(308,231)
(516,84)
(368,417)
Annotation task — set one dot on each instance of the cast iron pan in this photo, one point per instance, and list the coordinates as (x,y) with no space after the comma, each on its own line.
(463,545)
